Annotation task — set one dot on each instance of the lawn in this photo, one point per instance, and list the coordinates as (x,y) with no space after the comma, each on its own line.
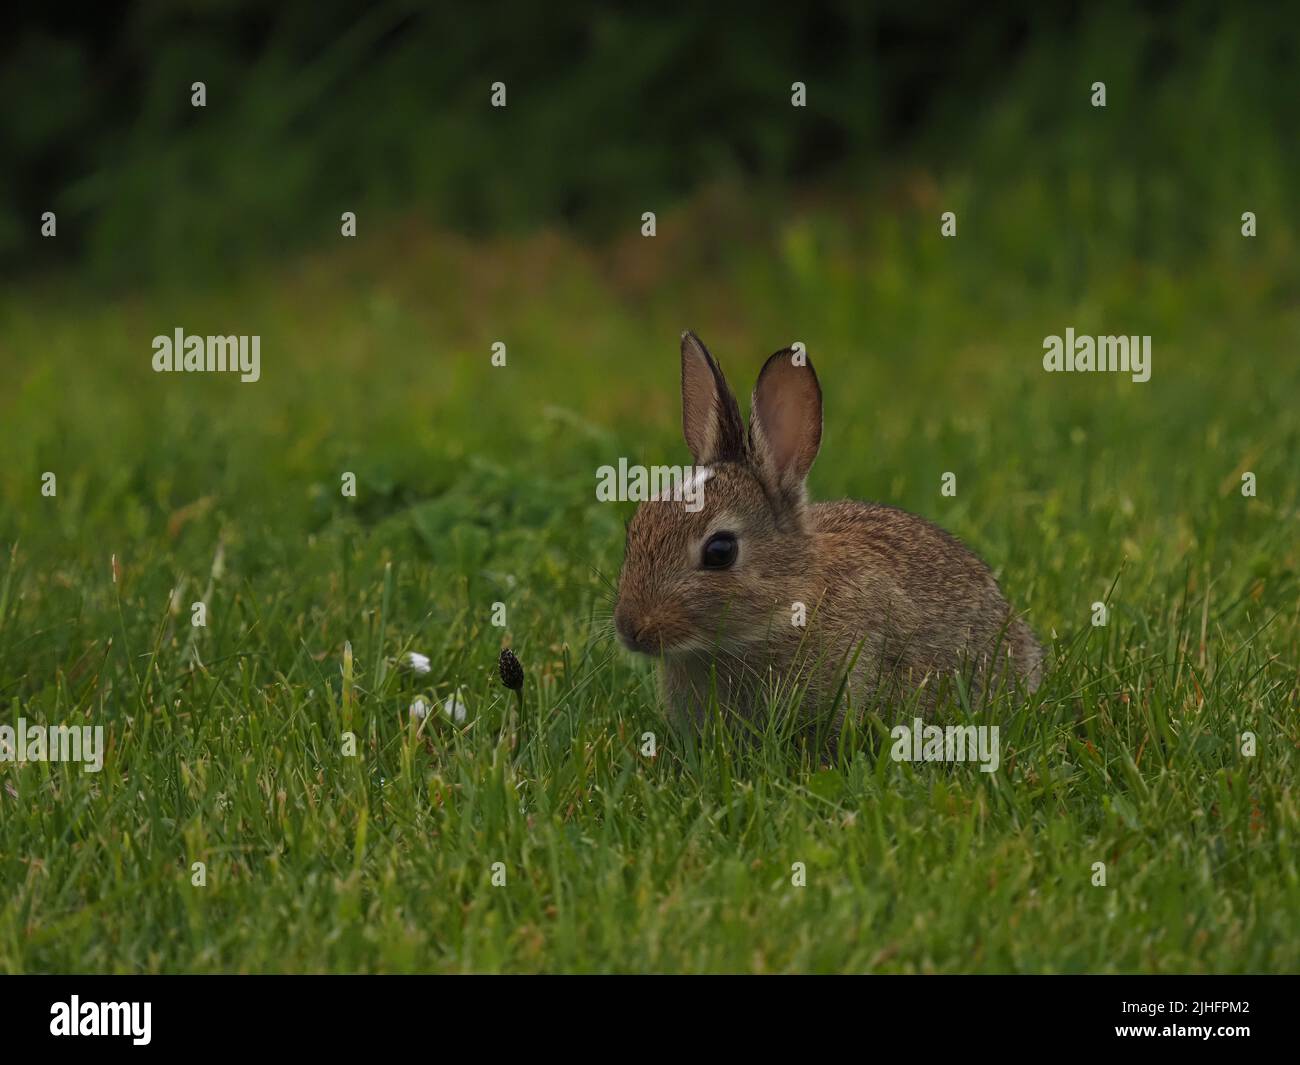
(437,848)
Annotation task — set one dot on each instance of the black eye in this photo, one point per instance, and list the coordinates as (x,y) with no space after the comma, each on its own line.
(720,551)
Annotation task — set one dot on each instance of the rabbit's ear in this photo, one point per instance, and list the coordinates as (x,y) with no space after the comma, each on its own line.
(785,423)
(710,415)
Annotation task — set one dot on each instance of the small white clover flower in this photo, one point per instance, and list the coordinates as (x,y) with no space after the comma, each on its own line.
(419,710)
(418,662)
(454,707)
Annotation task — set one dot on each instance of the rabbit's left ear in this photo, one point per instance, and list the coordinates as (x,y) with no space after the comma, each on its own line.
(785,423)
(710,415)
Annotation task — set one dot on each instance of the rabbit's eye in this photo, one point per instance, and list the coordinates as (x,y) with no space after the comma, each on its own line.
(720,551)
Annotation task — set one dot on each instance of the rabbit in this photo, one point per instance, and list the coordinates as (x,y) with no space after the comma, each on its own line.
(894,606)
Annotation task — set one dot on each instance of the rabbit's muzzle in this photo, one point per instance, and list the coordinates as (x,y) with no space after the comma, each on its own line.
(648,632)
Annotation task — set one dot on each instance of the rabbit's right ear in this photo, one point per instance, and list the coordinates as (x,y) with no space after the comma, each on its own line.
(710,415)
(785,425)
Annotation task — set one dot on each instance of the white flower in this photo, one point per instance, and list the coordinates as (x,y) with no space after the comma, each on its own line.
(418,662)
(454,708)
(419,710)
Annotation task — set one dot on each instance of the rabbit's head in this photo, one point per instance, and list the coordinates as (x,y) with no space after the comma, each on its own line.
(711,575)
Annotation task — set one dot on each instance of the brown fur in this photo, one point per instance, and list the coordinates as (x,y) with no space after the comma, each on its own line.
(909,600)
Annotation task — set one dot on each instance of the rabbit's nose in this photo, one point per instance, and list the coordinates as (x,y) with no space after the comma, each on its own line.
(625,624)
(629,629)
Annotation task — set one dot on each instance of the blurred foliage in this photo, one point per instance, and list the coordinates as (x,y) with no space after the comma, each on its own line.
(317,109)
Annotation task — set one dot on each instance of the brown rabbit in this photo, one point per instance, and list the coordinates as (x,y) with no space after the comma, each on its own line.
(893,603)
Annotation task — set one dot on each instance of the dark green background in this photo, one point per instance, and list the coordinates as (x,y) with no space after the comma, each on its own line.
(314,109)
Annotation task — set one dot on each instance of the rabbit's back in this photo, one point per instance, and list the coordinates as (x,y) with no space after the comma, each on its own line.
(926,604)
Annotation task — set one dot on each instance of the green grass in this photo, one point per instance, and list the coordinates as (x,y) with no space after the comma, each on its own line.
(476,485)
